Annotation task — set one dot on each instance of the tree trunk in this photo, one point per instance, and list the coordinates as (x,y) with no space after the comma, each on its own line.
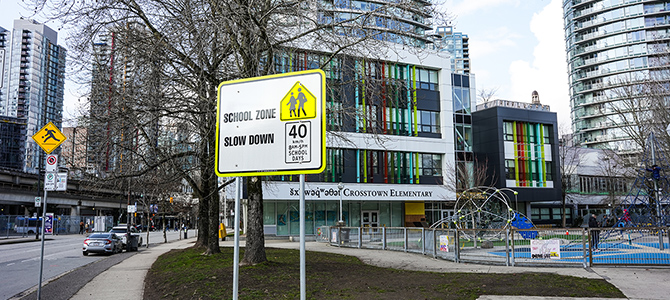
(203,222)
(213,239)
(254,252)
(563,207)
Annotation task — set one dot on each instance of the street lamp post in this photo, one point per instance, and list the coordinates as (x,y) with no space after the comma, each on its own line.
(340,186)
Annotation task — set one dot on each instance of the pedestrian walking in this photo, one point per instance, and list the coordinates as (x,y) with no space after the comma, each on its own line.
(81,227)
(595,234)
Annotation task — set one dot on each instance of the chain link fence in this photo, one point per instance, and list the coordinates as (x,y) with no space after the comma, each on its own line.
(574,247)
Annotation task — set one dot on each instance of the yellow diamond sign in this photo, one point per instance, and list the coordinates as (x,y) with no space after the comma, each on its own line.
(298,104)
(49,137)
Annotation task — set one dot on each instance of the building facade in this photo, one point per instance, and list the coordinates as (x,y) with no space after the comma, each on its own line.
(33,86)
(519,144)
(456,44)
(597,183)
(611,44)
(12,143)
(389,164)
(5,36)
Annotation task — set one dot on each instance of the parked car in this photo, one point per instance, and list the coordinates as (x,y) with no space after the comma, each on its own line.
(121,231)
(103,242)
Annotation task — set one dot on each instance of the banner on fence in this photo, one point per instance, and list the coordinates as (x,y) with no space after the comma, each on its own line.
(49,224)
(444,243)
(545,249)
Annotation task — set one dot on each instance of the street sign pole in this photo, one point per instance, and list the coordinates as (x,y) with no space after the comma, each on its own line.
(236,255)
(44,210)
(303,272)
(283,115)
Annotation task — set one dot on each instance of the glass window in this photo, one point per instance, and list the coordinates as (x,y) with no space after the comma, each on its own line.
(508,131)
(430,164)
(544,214)
(509,169)
(534,212)
(429,121)
(545,133)
(556,214)
(547,167)
(269,213)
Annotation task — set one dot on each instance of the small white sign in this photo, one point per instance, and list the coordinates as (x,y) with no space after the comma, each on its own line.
(38,201)
(52,163)
(61,182)
(545,249)
(298,142)
(444,243)
(50,181)
(132,208)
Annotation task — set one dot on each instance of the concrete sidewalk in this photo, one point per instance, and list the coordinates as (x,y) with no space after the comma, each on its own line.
(126,279)
(635,283)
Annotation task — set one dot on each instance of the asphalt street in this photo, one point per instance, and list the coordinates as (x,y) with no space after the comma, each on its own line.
(65,270)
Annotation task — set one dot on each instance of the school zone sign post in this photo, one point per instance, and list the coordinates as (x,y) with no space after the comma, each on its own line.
(272,125)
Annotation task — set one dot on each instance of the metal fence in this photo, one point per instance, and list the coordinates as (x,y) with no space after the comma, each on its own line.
(577,247)
(629,246)
(22,226)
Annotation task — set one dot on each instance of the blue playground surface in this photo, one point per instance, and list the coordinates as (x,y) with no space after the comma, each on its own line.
(608,253)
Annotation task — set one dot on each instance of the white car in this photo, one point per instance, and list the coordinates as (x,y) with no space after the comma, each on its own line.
(121,231)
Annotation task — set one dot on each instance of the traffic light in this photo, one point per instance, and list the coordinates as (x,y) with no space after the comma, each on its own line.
(170,200)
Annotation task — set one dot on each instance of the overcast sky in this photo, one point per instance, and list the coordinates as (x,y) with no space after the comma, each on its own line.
(516,46)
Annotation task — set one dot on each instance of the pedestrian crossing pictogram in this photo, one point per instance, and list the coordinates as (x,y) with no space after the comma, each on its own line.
(298,104)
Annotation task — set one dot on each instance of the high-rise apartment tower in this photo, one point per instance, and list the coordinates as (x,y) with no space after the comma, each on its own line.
(611,45)
(33,81)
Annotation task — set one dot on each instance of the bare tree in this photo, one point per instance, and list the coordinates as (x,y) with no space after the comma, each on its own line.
(570,159)
(639,102)
(487,94)
(617,173)
(189,48)
(464,175)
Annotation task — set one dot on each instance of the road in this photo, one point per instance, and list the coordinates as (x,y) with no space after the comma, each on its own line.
(20,262)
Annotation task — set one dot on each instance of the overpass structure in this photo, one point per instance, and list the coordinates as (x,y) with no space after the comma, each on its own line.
(18,191)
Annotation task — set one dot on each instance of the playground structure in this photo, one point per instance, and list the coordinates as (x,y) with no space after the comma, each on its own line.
(646,204)
(489,209)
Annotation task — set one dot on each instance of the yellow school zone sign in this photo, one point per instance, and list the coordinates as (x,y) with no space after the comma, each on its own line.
(49,137)
(298,104)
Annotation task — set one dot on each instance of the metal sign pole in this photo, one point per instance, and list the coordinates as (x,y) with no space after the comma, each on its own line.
(236,255)
(303,276)
(44,210)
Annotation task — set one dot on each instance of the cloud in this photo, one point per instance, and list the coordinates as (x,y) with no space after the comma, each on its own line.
(493,41)
(467,7)
(547,73)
